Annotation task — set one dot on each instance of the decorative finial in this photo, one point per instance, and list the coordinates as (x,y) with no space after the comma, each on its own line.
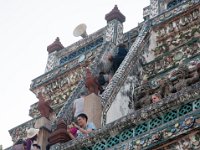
(55,46)
(115,14)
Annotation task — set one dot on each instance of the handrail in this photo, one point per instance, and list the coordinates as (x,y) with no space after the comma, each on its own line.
(126,66)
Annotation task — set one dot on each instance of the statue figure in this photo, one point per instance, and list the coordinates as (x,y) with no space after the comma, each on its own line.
(162,32)
(194,75)
(43,106)
(179,77)
(91,82)
(142,98)
(195,14)
(176,41)
(165,87)
(182,21)
(170,27)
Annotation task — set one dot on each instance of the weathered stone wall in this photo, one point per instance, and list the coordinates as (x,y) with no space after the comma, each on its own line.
(121,106)
(190,141)
(149,53)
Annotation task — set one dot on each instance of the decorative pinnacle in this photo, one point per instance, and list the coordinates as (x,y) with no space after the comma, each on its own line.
(115,14)
(55,46)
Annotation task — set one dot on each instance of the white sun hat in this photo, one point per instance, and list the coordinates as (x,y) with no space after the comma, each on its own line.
(32,132)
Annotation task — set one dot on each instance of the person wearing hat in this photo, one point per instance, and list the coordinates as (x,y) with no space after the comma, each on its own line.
(31,138)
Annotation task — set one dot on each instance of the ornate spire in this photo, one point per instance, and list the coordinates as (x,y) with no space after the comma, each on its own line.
(115,14)
(55,46)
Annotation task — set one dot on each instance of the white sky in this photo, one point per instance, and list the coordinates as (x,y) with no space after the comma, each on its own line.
(27,27)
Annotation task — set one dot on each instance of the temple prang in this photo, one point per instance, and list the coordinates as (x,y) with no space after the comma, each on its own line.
(151,101)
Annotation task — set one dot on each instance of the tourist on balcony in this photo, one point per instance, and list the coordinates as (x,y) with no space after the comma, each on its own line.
(83,127)
(155,98)
(78,108)
(32,134)
(72,129)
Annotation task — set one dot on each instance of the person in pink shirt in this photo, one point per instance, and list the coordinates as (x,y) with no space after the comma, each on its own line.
(83,126)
